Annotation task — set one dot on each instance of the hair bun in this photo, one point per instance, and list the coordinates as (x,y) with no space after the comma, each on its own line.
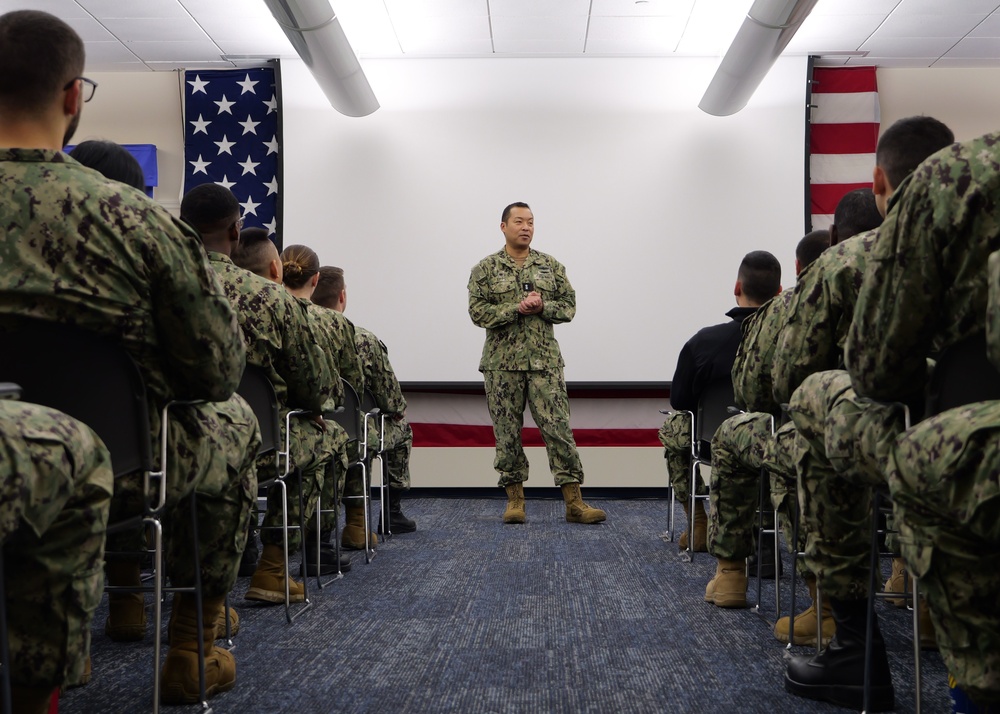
(291,268)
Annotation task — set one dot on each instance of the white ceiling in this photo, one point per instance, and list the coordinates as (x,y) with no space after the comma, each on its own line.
(126,35)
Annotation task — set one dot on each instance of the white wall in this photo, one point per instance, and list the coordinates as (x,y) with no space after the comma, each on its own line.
(964,99)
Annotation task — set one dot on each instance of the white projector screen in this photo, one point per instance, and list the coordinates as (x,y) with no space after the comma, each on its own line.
(648,202)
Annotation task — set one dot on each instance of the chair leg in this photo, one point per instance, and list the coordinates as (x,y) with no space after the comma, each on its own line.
(198,599)
(872,586)
(4,645)
(157,531)
(916,642)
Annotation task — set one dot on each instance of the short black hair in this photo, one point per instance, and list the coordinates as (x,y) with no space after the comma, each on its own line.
(760,276)
(506,212)
(112,160)
(331,283)
(811,246)
(39,54)
(905,145)
(209,207)
(253,252)
(856,213)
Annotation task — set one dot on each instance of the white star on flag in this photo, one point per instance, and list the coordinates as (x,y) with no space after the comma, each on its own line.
(224,105)
(200,166)
(249,126)
(272,185)
(271,104)
(271,226)
(225,145)
(249,207)
(248,166)
(201,125)
(248,85)
(226,183)
(198,85)
(272,145)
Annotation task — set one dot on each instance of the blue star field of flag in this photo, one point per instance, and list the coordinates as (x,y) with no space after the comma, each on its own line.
(231,138)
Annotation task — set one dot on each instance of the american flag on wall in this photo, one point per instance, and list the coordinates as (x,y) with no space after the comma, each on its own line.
(843,133)
(232,137)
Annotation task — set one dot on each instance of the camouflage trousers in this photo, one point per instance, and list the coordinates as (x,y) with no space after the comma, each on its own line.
(944,477)
(741,448)
(675,435)
(544,393)
(211,449)
(319,455)
(55,495)
(843,450)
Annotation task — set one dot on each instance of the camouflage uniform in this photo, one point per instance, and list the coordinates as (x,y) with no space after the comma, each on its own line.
(522,363)
(55,491)
(740,444)
(82,250)
(924,289)
(281,340)
(943,476)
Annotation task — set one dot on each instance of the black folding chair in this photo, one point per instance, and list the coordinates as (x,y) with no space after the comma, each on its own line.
(94,379)
(256,388)
(713,409)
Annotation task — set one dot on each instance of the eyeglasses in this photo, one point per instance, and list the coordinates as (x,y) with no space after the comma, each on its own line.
(88,89)
(239,223)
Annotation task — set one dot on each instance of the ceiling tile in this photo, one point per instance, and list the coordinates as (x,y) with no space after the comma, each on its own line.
(831,61)
(538,47)
(255,48)
(228,9)
(949,24)
(890,61)
(909,46)
(262,29)
(134,8)
(990,27)
(934,7)
(191,64)
(635,34)
(438,8)
(166,29)
(638,8)
(854,7)
(60,8)
(451,48)
(966,62)
(540,28)
(711,28)
(368,28)
(175,51)
(104,52)
(977,47)
(89,29)
(533,8)
(428,30)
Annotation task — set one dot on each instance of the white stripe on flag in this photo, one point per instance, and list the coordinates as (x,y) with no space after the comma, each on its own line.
(822,221)
(841,168)
(845,108)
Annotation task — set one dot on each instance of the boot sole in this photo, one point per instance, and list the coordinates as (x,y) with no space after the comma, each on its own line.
(882,698)
(270,596)
(586,521)
(514,519)
(176,694)
(729,601)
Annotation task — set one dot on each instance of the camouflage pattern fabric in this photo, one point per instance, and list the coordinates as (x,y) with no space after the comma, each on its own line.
(752,368)
(544,392)
(82,250)
(380,378)
(282,340)
(516,342)
(944,477)
(55,492)
(993,310)
(341,346)
(675,435)
(819,315)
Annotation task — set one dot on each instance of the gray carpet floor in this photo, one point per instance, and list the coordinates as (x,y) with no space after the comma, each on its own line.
(468,615)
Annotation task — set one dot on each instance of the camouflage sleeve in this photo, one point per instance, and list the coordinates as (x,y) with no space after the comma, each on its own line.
(808,341)
(485,307)
(203,349)
(308,370)
(379,375)
(754,358)
(559,305)
(332,344)
(740,364)
(348,360)
(898,309)
(993,311)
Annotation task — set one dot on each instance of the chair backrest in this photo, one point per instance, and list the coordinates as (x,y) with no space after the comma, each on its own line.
(87,376)
(713,408)
(368,403)
(257,389)
(351,415)
(963,375)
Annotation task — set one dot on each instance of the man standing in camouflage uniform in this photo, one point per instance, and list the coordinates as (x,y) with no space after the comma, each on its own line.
(741,443)
(380,379)
(80,249)
(55,493)
(518,294)
(280,340)
(933,248)
(943,479)
(707,359)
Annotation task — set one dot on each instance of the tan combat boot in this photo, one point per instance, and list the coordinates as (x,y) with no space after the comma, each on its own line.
(897,583)
(576,510)
(353,535)
(180,668)
(219,625)
(514,513)
(268,581)
(806,622)
(700,528)
(126,611)
(729,586)
(928,635)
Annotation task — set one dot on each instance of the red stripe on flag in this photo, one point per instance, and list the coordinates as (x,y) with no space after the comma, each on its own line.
(843,80)
(449,435)
(858,138)
(826,196)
